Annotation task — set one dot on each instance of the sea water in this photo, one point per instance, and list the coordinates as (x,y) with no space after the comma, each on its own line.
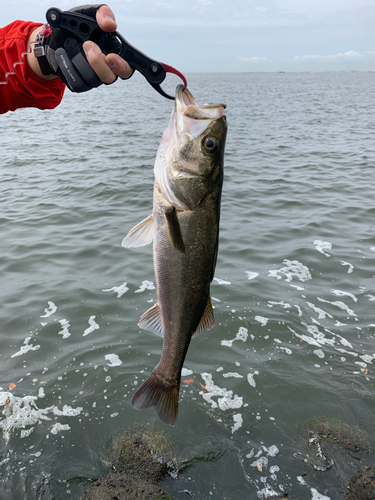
(294,289)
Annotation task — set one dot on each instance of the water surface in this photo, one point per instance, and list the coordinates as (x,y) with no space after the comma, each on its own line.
(294,288)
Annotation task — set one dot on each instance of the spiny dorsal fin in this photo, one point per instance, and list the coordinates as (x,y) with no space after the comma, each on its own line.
(141,234)
(207,321)
(151,321)
(174,229)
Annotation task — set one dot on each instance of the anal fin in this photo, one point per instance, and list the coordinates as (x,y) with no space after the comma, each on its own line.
(151,321)
(207,321)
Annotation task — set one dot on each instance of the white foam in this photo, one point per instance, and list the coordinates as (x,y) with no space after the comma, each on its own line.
(291,269)
(22,412)
(146,285)
(250,378)
(284,305)
(299,310)
(26,348)
(242,334)
(251,275)
(50,310)
(286,349)
(260,463)
(272,451)
(113,359)
(120,290)
(226,399)
(65,328)
(351,267)
(222,282)
(322,314)
(232,375)
(319,353)
(267,492)
(318,338)
(300,288)
(93,326)
(323,245)
(26,432)
(261,320)
(370,297)
(340,293)
(344,351)
(238,421)
(340,305)
(185,372)
(67,411)
(367,358)
(340,324)
(60,427)
(318,496)
(361,364)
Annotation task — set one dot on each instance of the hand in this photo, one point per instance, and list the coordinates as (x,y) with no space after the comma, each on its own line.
(107,67)
(82,67)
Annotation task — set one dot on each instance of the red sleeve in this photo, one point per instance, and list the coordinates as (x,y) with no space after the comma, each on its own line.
(24,89)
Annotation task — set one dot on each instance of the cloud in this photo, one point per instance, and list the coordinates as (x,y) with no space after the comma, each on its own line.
(349,55)
(251,59)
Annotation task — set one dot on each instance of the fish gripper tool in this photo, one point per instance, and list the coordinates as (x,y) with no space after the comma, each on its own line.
(86,28)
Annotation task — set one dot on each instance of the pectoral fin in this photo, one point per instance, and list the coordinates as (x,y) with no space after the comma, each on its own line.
(151,321)
(207,321)
(174,229)
(141,234)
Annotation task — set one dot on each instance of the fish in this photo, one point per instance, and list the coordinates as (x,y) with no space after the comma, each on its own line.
(184,229)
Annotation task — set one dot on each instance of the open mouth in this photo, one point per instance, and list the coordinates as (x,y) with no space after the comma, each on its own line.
(186,105)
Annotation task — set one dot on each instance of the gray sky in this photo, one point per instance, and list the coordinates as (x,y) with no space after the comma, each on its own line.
(238,35)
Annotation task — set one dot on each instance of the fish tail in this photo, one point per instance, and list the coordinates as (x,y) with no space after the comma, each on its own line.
(157,392)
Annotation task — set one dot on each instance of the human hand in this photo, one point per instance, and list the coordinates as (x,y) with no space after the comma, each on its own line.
(107,67)
(85,67)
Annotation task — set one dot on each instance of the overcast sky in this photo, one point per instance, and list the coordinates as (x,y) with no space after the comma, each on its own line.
(238,35)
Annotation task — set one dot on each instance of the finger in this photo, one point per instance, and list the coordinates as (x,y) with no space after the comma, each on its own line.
(97,61)
(106,19)
(119,66)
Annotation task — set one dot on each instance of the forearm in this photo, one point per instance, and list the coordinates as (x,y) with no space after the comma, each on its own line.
(23,86)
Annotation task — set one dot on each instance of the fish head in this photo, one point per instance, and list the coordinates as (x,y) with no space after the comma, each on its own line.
(190,158)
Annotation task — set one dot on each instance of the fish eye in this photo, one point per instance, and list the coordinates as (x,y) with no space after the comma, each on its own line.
(210,144)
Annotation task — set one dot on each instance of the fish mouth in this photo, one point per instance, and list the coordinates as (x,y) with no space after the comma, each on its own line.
(191,118)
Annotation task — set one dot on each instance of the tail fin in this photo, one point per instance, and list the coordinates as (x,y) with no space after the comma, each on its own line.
(156,392)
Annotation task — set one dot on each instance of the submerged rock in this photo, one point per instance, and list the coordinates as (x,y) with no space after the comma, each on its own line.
(348,436)
(336,448)
(333,443)
(144,453)
(124,487)
(361,486)
(141,459)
